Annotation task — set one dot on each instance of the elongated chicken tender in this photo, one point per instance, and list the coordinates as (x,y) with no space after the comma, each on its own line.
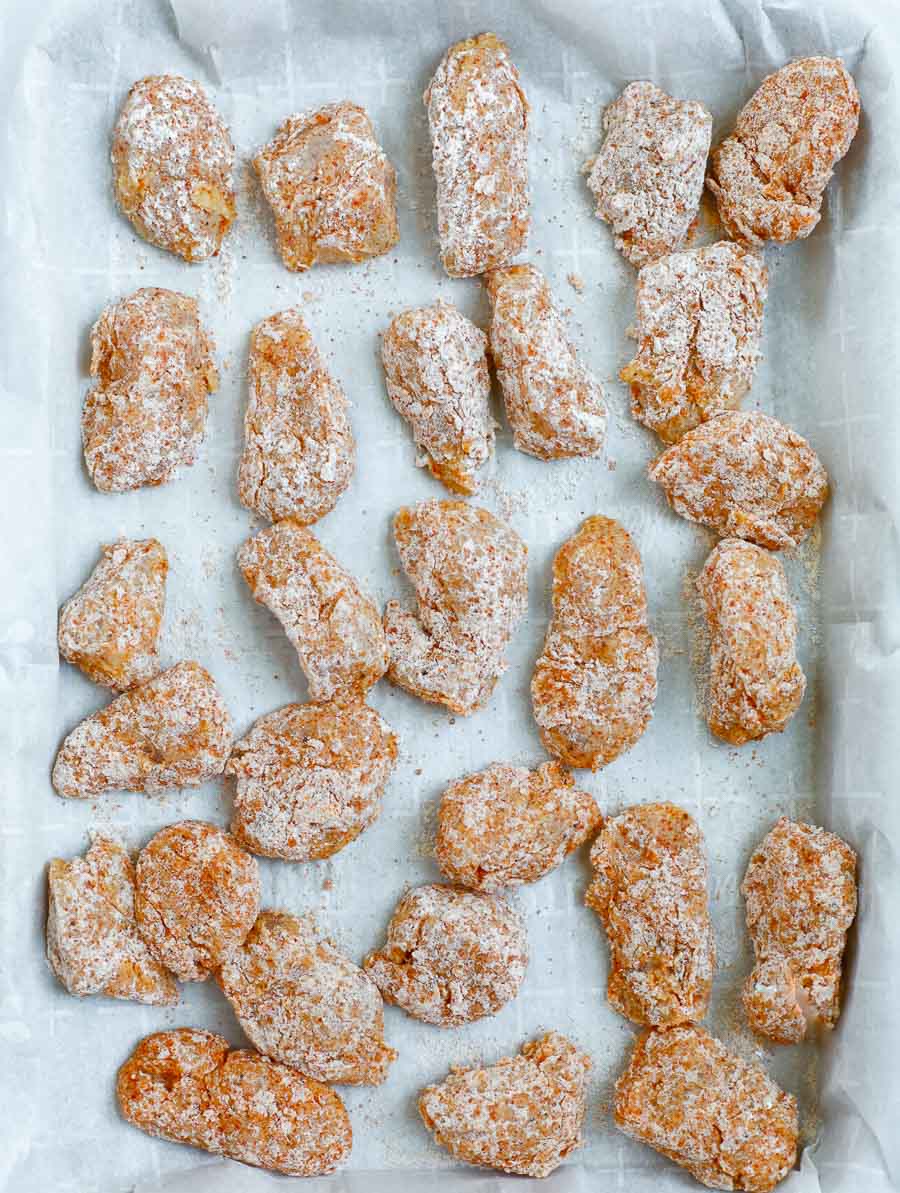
(299,453)
(522,1115)
(595,682)
(478,117)
(554,406)
(188,1086)
(755,682)
(649,891)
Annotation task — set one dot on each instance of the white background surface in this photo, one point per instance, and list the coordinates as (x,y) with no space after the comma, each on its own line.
(829,370)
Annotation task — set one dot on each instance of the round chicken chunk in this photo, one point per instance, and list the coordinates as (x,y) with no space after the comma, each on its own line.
(554,405)
(299,453)
(93,944)
(173,731)
(800,890)
(522,1115)
(478,118)
(469,572)
(110,627)
(188,1086)
(310,779)
(649,890)
(330,187)
(197,897)
(436,370)
(699,322)
(507,825)
(329,620)
(755,682)
(717,1115)
(747,475)
(647,178)
(769,176)
(146,416)
(172,159)
(595,682)
(302,1002)
(451,956)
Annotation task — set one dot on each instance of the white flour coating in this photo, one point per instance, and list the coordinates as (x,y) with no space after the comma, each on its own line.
(469,572)
(93,945)
(172,160)
(478,118)
(146,417)
(197,896)
(436,371)
(713,1113)
(755,681)
(302,1002)
(523,1114)
(800,891)
(310,779)
(110,627)
(554,405)
(299,452)
(451,956)
(648,177)
(188,1086)
(649,891)
(173,731)
(745,474)
(699,322)
(330,622)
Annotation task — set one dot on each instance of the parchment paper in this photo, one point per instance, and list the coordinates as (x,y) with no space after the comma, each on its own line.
(829,370)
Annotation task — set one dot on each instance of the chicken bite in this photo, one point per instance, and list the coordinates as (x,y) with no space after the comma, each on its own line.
(755,682)
(93,945)
(110,627)
(299,452)
(770,174)
(451,956)
(469,572)
(647,178)
(594,684)
(521,1115)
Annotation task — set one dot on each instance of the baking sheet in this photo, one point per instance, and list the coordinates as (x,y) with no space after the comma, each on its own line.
(829,370)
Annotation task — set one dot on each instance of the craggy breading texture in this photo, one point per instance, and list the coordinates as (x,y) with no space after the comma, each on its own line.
(521,1115)
(173,731)
(746,475)
(331,623)
(436,371)
(299,452)
(594,684)
(172,159)
(197,897)
(554,405)
(93,944)
(800,890)
(699,322)
(451,956)
(469,572)
(302,1002)
(146,416)
(649,890)
(647,178)
(755,682)
(188,1086)
(478,118)
(310,779)
(330,187)
(769,175)
(110,627)
(507,825)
